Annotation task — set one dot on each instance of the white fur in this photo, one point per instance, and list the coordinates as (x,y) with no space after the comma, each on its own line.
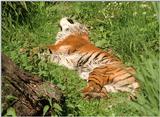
(68,29)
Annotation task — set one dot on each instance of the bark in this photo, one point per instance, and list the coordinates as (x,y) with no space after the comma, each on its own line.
(30,92)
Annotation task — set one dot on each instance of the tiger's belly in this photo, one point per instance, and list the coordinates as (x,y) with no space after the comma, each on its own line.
(71,61)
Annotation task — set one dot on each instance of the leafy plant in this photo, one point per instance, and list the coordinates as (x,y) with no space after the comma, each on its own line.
(45,109)
(11,112)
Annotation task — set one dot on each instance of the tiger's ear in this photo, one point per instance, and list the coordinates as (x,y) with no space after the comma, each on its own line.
(85,36)
(51,48)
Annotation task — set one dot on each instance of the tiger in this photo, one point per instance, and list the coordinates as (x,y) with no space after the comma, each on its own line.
(103,71)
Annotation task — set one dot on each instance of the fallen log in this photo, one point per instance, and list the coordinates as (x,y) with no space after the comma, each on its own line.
(30,92)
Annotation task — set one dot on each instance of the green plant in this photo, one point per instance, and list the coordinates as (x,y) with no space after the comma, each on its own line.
(148,75)
(45,109)
(11,112)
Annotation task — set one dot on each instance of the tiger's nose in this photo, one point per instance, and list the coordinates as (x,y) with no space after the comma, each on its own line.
(70,20)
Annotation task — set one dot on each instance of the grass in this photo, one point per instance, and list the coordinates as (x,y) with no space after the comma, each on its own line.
(125,27)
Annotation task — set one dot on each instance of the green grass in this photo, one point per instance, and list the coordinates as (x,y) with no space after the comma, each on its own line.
(125,27)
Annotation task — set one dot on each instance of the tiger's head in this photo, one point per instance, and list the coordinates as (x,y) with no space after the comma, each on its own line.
(71,27)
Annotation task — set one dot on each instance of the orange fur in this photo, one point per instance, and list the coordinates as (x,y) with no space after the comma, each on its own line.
(73,42)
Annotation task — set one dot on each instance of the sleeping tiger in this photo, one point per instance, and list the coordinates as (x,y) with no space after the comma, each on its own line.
(102,70)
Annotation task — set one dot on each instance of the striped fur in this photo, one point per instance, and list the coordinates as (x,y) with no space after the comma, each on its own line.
(103,71)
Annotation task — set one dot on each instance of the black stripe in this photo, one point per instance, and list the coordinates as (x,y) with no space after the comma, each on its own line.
(97,55)
(104,58)
(123,79)
(99,83)
(78,63)
(117,75)
(83,62)
(67,60)
(127,84)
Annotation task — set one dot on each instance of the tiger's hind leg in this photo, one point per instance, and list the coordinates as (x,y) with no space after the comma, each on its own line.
(93,90)
(95,86)
(96,81)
